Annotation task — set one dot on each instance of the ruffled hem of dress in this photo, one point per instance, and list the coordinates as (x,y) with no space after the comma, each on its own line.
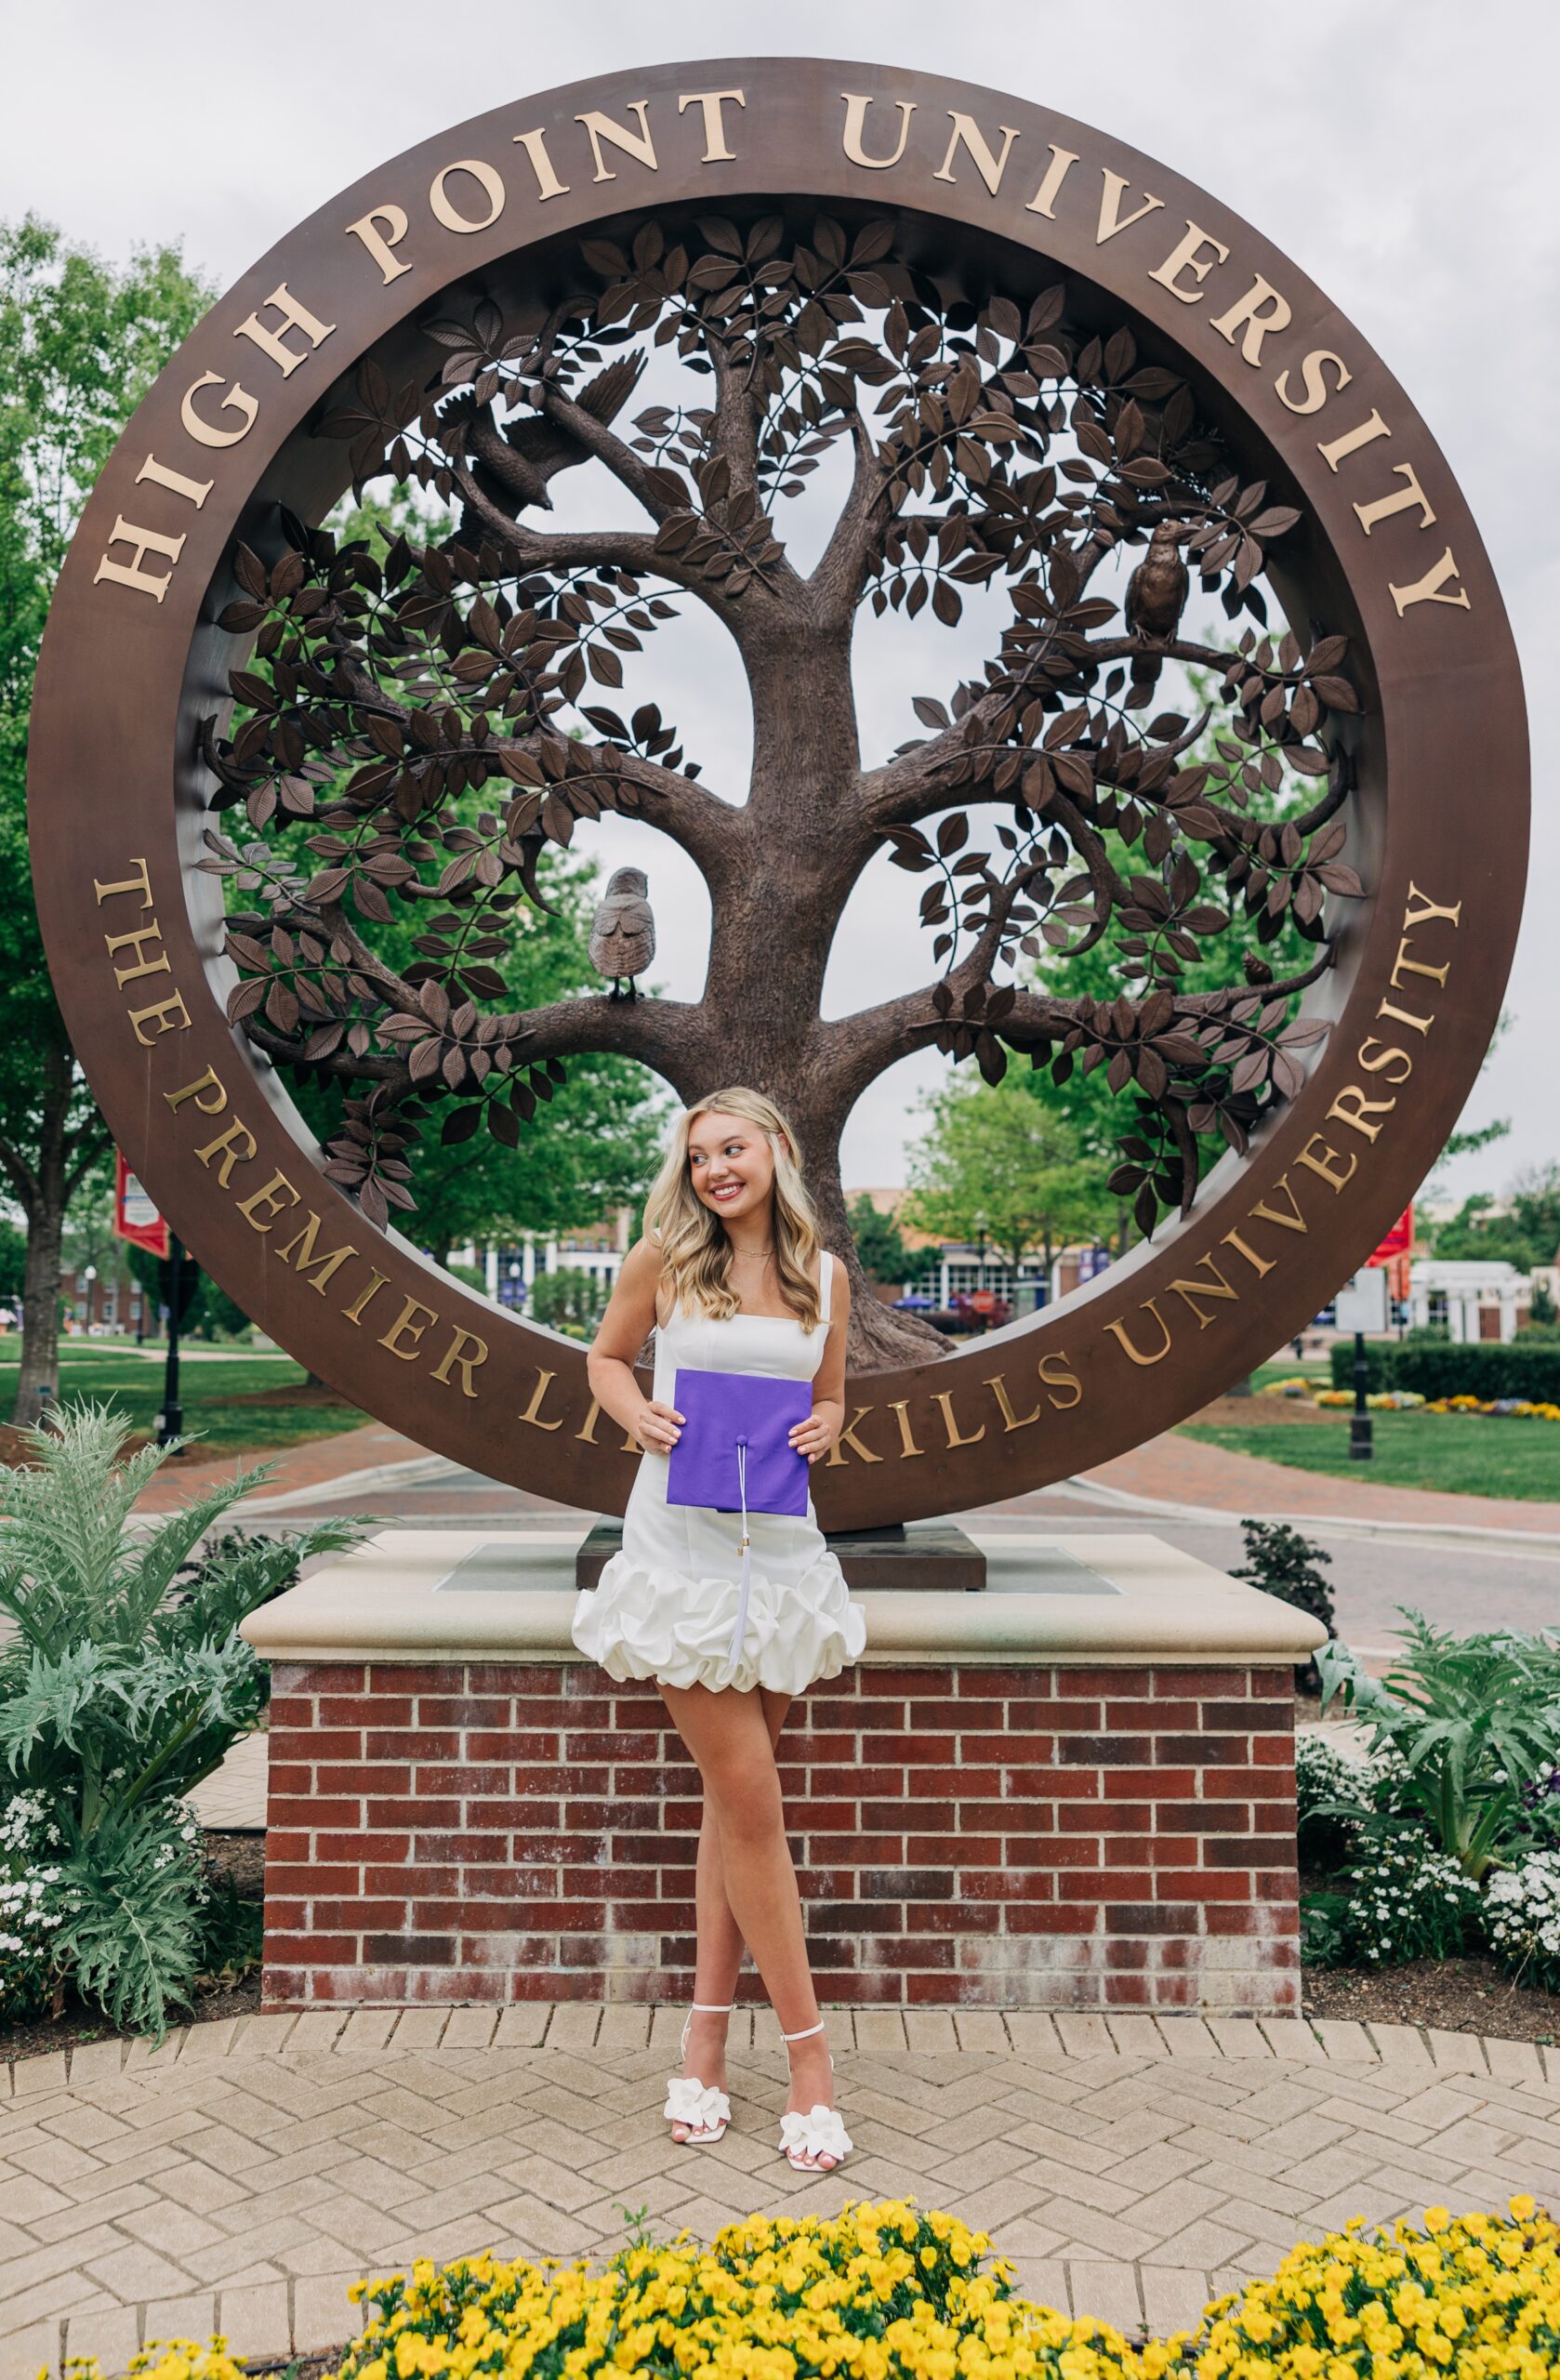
(644,1621)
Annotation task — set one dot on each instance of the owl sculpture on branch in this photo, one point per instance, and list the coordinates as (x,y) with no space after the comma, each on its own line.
(425,713)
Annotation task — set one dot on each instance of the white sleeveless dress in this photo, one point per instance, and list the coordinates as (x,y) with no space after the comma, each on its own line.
(666,1606)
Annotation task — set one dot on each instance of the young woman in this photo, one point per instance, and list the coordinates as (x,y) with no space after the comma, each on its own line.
(731,1277)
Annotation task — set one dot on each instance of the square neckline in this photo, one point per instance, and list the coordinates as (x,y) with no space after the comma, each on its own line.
(826,1295)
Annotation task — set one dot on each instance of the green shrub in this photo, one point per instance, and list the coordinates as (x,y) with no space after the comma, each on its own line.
(1482,1371)
(121,1690)
(1332,1794)
(1475,1721)
(1403,1900)
(1379,1365)
(1282,1563)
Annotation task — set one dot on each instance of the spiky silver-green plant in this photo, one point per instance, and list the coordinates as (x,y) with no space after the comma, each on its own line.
(117,1697)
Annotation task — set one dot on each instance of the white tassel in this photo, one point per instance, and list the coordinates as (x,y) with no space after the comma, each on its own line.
(744,1576)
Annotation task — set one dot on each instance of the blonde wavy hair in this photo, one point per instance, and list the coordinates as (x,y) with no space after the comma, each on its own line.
(695,1251)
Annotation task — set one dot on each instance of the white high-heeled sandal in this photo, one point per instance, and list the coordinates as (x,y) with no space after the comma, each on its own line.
(701,2106)
(820,2132)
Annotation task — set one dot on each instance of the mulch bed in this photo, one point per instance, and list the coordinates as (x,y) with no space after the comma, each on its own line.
(1259,1412)
(1471,1995)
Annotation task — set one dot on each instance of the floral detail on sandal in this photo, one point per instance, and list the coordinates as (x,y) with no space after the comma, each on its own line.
(704,2107)
(818,2133)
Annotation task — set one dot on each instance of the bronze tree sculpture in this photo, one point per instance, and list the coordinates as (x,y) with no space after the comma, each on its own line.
(409,738)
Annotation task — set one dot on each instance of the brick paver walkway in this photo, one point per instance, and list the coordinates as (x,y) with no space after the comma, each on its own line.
(239,2177)
(317,1463)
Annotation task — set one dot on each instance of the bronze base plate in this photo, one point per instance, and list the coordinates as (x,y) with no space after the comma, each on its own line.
(932,1556)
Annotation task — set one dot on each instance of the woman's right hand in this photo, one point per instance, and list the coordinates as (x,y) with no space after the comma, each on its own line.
(657,1426)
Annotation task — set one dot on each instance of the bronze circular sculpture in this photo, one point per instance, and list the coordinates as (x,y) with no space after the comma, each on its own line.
(1079,355)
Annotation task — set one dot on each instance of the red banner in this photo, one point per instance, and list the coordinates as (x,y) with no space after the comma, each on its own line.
(1398,1241)
(135,1217)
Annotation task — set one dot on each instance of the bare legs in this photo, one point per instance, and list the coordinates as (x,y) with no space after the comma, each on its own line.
(746,1888)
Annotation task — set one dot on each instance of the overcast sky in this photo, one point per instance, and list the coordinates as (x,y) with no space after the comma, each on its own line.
(1402,159)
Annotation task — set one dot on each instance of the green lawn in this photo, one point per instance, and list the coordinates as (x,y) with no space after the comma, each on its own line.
(235,1401)
(1466,1455)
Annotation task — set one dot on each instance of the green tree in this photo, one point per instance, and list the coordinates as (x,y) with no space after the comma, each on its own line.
(880,1245)
(999,1161)
(80,343)
(1527,1235)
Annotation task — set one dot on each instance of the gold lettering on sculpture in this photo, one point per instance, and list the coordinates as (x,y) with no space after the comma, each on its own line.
(455,1356)
(714,150)
(295,317)
(1060,165)
(943,1397)
(1150,1305)
(391,1339)
(1323,1164)
(140,884)
(534,146)
(1351,441)
(1010,1421)
(382,244)
(1293,1220)
(1428,588)
(533,1412)
(1313,381)
(144,966)
(365,1299)
(1404,965)
(227,1145)
(1429,910)
(210,1081)
(194,491)
(443,207)
(172,1012)
(237,400)
(1189,1292)
(271,1202)
(1260,311)
(855,120)
(1184,257)
(1261,1266)
(1399,501)
(638,145)
(1405,1016)
(848,1438)
(900,1408)
(135,573)
(1064,1377)
(1112,221)
(324,1267)
(1351,1107)
(1389,1051)
(967,133)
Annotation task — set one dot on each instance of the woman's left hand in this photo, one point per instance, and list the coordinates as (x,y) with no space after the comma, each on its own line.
(814,1436)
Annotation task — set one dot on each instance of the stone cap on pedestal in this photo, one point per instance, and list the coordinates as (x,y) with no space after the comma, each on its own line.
(508,1595)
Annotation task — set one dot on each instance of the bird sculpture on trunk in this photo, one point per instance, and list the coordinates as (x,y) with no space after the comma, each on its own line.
(623,931)
(1155,598)
(513,466)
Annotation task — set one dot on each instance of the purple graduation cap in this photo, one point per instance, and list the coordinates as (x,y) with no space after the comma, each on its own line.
(735,1455)
(727,1413)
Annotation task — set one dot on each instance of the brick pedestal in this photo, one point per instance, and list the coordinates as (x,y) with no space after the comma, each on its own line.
(1050,1833)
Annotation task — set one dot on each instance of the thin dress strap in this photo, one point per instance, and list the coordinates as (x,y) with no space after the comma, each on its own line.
(825,1283)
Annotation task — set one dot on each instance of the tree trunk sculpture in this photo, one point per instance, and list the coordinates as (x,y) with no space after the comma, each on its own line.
(419,721)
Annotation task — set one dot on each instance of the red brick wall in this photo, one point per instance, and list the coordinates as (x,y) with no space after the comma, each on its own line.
(1063,1838)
